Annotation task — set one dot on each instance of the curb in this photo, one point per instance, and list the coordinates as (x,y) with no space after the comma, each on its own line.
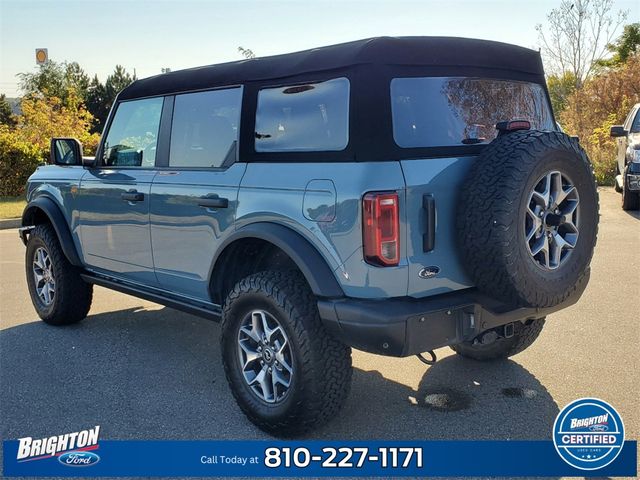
(10,223)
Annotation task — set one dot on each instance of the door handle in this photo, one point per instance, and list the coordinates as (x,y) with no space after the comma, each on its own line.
(213,201)
(133,196)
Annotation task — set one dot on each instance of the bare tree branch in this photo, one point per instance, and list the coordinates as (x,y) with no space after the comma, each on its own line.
(576,36)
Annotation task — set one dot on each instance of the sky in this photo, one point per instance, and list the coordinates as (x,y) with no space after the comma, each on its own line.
(150,35)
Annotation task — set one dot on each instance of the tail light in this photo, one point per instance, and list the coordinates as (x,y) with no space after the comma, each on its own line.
(381,229)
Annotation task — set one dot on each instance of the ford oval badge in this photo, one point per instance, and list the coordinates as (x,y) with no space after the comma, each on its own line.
(429,272)
(78,459)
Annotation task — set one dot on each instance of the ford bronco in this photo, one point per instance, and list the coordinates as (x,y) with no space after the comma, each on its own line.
(395,195)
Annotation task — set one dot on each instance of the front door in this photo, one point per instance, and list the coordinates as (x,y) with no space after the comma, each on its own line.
(114,196)
(194,197)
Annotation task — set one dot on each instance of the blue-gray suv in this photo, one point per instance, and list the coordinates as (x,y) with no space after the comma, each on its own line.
(396,195)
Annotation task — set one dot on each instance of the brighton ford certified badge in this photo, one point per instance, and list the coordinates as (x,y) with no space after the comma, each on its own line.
(588,434)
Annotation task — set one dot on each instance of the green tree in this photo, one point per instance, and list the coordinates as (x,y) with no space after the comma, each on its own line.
(560,88)
(55,79)
(246,53)
(6,115)
(97,103)
(624,47)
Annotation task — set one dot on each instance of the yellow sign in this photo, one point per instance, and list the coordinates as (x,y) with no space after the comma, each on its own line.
(42,55)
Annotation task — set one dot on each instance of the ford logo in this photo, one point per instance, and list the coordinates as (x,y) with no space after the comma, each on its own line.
(429,272)
(598,428)
(78,459)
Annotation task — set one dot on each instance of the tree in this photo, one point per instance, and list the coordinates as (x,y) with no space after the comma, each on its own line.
(246,52)
(55,79)
(560,88)
(604,100)
(100,97)
(97,103)
(624,47)
(6,114)
(577,36)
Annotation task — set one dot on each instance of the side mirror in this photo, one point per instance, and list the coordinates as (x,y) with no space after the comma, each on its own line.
(618,131)
(65,151)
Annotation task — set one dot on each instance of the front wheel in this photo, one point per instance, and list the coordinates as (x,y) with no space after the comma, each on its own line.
(58,293)
(494,346)
(630,200)
(286,372)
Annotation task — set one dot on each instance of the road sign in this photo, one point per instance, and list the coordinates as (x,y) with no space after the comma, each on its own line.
(42,55)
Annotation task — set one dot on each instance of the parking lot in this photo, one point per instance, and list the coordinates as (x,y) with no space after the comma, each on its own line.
(143,371)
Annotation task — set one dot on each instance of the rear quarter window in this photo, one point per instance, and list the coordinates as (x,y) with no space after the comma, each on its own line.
(447,111)
(312,117)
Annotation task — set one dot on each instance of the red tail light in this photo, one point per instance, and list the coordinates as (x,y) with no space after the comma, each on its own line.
(381,229)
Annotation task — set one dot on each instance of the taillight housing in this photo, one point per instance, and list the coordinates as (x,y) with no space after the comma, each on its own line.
(381,228)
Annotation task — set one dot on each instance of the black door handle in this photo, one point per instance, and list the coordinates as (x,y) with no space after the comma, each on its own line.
(133,196)
(213,201)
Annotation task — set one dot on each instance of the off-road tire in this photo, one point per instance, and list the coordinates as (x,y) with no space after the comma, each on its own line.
(630,200)
(322,364)
(492,207)
(524,336)
(72,298)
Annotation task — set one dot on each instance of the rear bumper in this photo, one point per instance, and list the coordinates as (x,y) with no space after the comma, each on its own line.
(406,326)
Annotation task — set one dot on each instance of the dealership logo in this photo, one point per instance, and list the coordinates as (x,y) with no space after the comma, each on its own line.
(72,449)
(588,434)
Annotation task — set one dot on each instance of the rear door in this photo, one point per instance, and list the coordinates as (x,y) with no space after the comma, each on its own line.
(449,114)
(194,195)
(114,196)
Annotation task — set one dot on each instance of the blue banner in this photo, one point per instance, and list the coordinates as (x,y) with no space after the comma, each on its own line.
(115,458)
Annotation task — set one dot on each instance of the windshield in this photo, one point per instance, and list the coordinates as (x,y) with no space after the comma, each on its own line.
(446,111)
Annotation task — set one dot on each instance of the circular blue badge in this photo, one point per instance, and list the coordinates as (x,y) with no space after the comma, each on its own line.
(588,434)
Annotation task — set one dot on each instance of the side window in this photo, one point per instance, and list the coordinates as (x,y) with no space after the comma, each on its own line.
(632,124)
(303,118)
(204,131)
(133,134)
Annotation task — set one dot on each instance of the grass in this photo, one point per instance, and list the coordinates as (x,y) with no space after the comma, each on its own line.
(11,207)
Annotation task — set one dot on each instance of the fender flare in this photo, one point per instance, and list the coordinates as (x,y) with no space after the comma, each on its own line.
(60,225)
(313,266)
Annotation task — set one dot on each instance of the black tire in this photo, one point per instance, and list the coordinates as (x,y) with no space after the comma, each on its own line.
(72,297)
(493,206)
(630,200)
(524,336)
(321,378)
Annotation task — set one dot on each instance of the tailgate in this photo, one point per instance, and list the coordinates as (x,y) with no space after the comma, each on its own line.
(440,179)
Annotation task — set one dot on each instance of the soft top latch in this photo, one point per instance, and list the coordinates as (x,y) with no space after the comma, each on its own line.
(512,126)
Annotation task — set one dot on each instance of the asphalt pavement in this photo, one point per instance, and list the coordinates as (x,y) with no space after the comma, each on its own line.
(143,371)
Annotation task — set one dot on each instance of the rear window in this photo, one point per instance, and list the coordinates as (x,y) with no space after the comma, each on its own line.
(446,111)
(312,117)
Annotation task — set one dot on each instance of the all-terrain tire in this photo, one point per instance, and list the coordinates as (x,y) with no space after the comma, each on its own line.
(630,200)
(493,207)
(71,300)
(524,336)
(321,376)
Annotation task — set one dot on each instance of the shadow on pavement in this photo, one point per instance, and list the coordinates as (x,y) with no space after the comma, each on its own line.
(157,374)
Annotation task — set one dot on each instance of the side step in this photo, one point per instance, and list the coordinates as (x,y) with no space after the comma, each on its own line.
(211,312)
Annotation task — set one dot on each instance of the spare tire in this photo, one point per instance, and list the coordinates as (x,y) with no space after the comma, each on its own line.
(528,218)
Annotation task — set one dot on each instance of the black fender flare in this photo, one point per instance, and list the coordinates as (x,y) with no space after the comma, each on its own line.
(60,225)
(313,266)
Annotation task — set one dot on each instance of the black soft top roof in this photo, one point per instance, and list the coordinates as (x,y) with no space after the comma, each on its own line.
(459,54)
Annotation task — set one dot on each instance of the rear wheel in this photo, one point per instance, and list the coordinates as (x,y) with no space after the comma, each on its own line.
(58,293)
(492,345)
(286,372)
